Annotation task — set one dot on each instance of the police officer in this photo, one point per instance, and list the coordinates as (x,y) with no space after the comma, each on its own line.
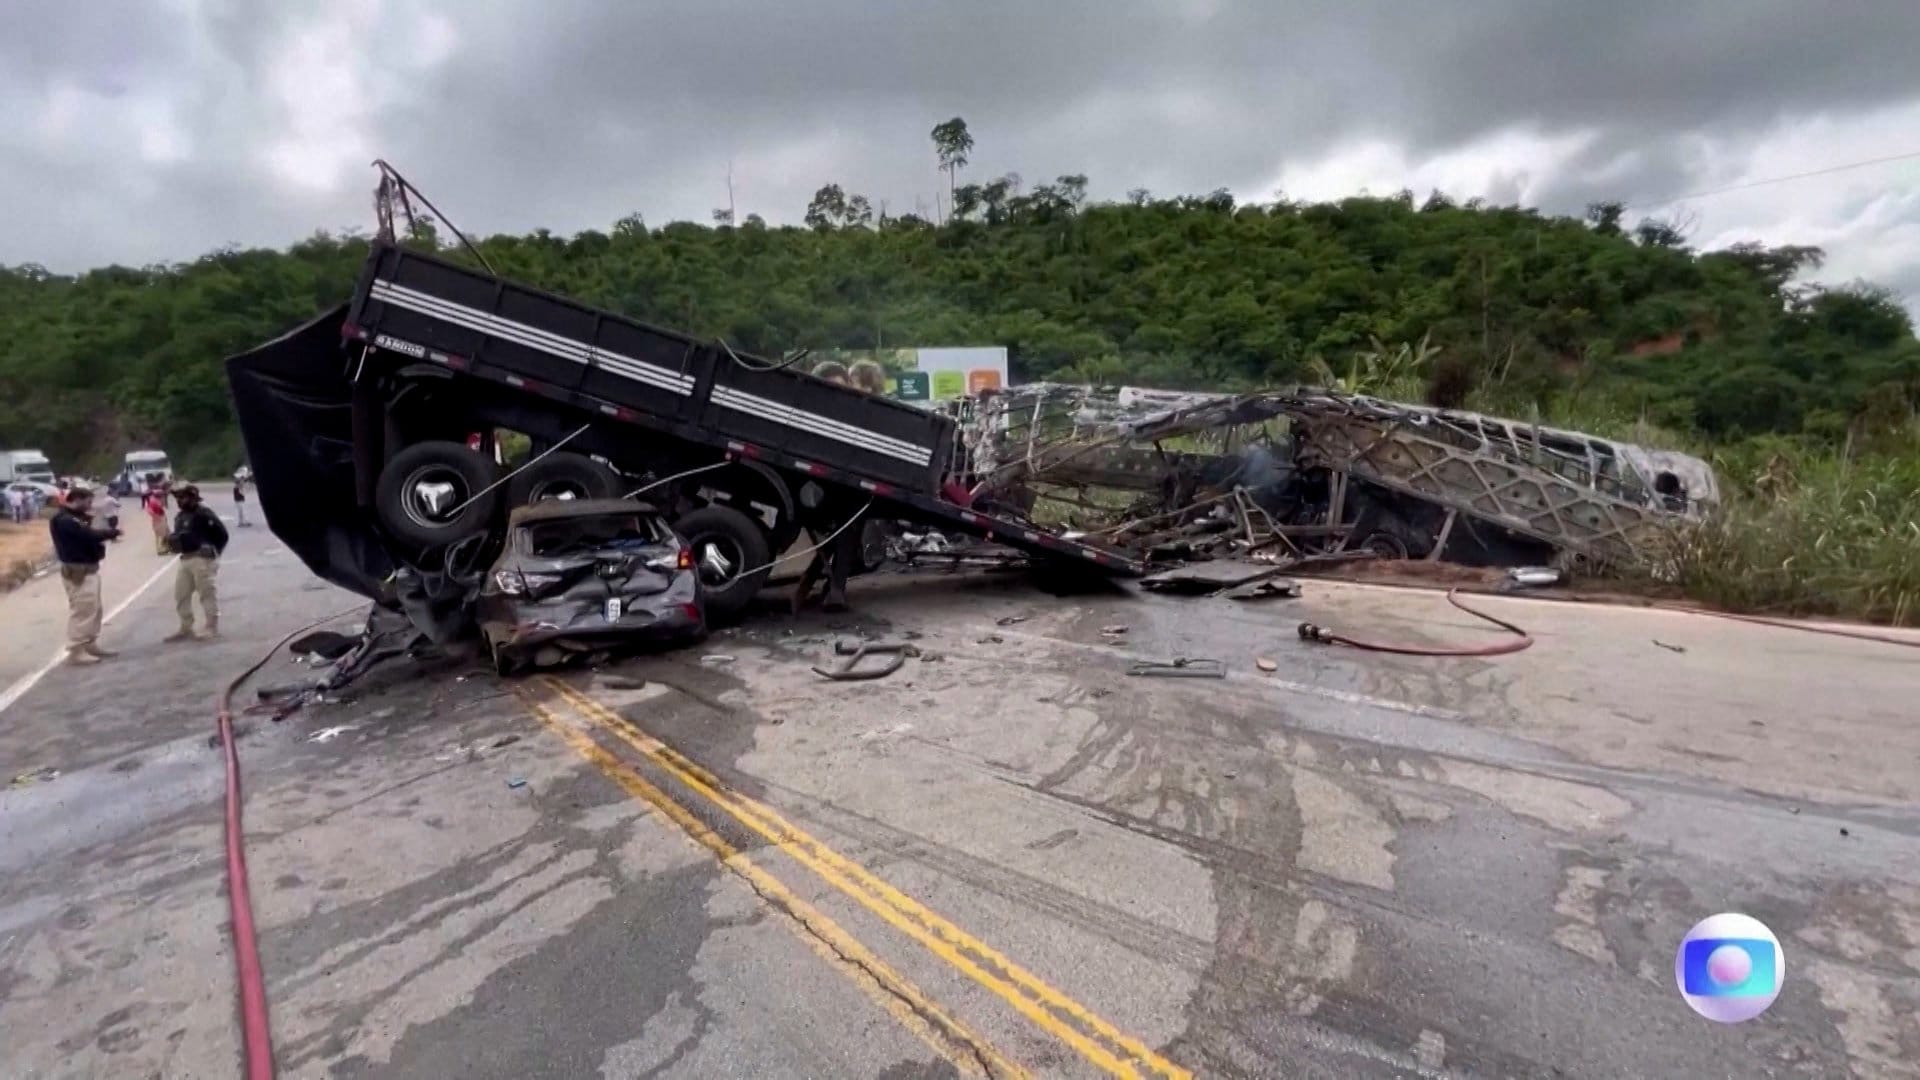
(199,537)
(80,547)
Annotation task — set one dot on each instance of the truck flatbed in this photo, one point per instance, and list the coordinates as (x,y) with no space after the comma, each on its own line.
(631,373)
(322,421)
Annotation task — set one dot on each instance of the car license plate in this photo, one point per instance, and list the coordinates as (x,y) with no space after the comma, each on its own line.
(613,609)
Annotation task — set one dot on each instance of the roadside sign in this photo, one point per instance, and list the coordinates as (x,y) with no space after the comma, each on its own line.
(913,386)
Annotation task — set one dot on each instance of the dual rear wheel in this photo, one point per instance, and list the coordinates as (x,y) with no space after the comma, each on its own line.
(435,494)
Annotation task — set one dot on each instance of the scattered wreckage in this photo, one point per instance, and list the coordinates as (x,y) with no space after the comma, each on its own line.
(1310,473)
(377,433)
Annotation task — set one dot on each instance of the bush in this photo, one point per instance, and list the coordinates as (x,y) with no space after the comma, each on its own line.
(1809,533)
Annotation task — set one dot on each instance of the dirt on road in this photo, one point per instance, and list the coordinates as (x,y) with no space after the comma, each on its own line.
(23,549)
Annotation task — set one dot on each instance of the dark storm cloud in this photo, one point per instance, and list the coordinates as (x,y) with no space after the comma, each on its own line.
(570,113)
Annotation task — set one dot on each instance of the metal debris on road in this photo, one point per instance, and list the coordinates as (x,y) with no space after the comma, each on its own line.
(1010,620)
(1535,577)
(716,658)
(1270,589)
(990,639)
(1670,648)
(517,782)
(850,669)
(1180,668)
(328,734)
(1113,630)
(1265,664)
(45,774)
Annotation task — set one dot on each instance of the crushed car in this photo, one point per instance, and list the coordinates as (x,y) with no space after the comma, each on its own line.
(576,576)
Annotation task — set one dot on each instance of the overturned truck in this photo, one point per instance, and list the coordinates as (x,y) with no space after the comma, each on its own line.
(1170,475)
(376,431)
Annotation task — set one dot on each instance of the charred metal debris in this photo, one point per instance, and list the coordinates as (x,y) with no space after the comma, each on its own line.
(1300,476)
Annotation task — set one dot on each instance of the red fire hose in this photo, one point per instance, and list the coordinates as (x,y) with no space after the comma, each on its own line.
(256,1035)
(1521,640)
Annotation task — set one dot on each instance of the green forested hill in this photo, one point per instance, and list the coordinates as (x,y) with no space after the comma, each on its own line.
(1570,318)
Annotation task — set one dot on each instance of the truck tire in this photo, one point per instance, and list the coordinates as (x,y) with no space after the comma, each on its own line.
(429,495)
(562,476)
(726,542)
(874,536)
(1383,530)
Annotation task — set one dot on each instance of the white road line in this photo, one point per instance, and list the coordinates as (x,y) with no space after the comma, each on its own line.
(27,682)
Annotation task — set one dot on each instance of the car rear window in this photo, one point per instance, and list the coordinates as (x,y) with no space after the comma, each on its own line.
(567,536)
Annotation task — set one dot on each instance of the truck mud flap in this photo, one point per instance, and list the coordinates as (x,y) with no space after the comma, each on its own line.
(295,407)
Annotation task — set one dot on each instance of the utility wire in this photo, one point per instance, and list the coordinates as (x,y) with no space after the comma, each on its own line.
(1775,180)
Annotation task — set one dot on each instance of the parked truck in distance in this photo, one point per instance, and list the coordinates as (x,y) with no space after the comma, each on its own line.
(140,464)
(25,465)
(134,470)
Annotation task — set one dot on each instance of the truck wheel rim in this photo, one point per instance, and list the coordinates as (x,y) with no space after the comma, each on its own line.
(556,489)
(433,493)
(719,560)
(1386,546)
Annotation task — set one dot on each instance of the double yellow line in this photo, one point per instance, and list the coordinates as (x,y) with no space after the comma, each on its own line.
(1094,1038)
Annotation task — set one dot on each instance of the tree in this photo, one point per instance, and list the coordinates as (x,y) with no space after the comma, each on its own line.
(1605,217)
(828,207)
(1501,309)
(952,143)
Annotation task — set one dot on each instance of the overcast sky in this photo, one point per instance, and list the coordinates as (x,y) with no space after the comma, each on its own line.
(140,131)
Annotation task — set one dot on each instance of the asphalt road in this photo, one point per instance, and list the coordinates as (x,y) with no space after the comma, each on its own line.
(1009,858)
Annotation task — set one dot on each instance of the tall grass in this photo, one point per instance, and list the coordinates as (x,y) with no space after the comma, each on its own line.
(1808,531)
(1805,527)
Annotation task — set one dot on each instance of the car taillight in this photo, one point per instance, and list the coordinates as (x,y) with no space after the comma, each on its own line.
(515,583)
(685,559)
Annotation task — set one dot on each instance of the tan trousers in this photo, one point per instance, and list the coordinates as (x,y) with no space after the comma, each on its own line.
(196,577)
(83,606)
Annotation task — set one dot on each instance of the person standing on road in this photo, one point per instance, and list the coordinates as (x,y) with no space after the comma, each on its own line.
(17,505)
(110,513)
(199,536)
(836,555)
(154,501)
(240,477)
(80,547)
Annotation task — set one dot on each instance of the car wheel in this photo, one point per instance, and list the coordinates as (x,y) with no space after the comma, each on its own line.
(435,493)
(562,476)
(730,555)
